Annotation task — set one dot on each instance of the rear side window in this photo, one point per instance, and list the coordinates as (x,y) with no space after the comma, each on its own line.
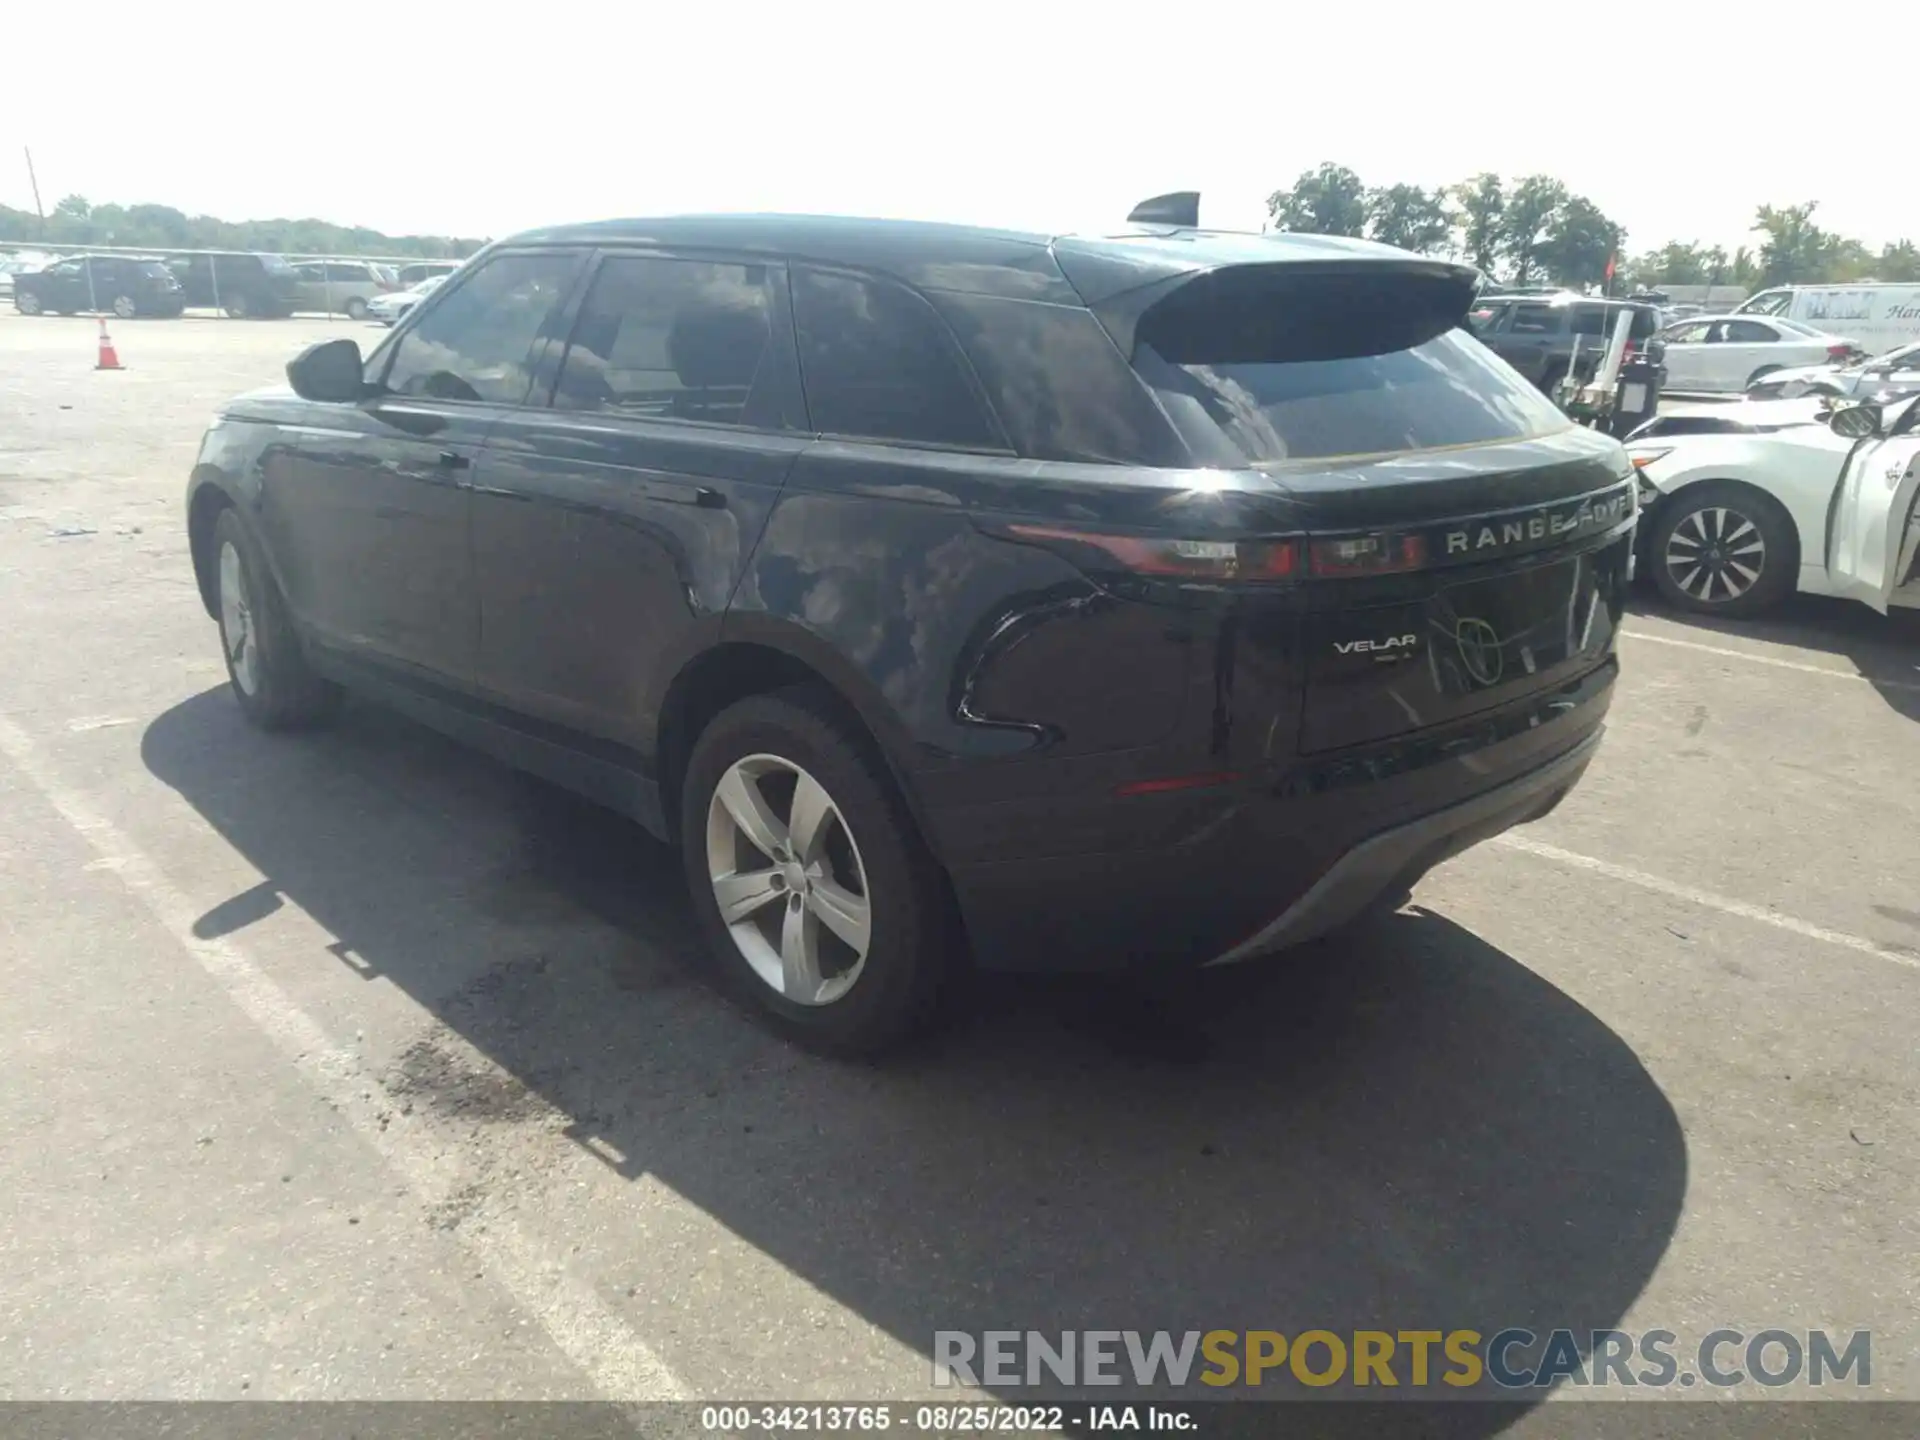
(1315,369)
(1751,332)
(879,364)
(1599,320)
(476,344)
(1535,320)
(674,339)
(1057,382)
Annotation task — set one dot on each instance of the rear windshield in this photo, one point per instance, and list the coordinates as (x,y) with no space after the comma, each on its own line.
(1450,390)
(1600,320)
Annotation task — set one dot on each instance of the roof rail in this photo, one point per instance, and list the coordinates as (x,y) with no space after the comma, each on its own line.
(1180,208)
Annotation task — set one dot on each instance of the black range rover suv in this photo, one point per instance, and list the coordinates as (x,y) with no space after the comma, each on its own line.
(947,595)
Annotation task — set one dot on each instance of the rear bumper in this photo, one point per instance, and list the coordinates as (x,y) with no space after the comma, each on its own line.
(1287,860)
(1387,863)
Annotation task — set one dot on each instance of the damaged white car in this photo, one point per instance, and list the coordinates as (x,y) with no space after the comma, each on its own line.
(1884,378)
(1743,507)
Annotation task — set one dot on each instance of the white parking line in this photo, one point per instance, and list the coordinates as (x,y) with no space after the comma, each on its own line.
(618,1363)
(1705,898)
(1769,660)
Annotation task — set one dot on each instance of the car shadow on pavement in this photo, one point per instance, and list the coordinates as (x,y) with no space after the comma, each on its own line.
(1885,649)
(1406,1129)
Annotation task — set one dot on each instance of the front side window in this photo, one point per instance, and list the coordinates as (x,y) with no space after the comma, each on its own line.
(1534,320)
(675,340)
(477,343)
(879,364)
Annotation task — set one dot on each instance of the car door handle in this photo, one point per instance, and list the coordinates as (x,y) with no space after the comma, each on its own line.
(454,460)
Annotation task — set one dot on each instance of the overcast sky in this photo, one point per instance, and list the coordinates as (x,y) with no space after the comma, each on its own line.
(479,120)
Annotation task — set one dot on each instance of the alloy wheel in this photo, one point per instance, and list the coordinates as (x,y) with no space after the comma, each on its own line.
(788,879)
(28,304)
(123,306)
(237,631)
(1715,554)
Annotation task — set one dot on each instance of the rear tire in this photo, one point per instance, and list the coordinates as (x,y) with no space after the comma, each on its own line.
(1723,548)
(28,304)
(356,308)
(861,865)
(269,674)
(239,308)
(124,307)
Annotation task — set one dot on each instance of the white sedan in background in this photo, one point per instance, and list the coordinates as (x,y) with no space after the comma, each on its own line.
(1744,506)
(1733,352)
(1883,378)
(391,308)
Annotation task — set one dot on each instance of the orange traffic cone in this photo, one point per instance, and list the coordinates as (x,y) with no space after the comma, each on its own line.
(109,358)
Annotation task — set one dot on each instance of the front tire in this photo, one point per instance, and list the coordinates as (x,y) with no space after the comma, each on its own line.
(124,307)
(356,308)
(27,304)
(268,672)
(239,308)
(819,901)
(1722,548)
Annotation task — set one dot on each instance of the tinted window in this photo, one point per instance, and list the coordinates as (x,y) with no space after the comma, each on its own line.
(1486,319)
(476,344)
(1056,380)
(879,364)
(1534,320)
(155,270)
(1600,320)
(1749,332)
(674,339)
(1448,391)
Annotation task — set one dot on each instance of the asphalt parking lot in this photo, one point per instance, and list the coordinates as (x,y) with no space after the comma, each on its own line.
(354,1066)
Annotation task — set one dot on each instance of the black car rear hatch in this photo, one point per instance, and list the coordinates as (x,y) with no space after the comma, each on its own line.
(1465,545)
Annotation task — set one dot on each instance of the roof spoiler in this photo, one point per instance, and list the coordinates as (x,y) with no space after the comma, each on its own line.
(1180,208)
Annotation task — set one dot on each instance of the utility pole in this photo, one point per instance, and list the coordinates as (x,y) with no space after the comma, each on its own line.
(35,183)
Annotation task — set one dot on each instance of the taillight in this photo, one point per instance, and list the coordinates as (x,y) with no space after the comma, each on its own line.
(1837,353)
(1367,555)
(1219,561)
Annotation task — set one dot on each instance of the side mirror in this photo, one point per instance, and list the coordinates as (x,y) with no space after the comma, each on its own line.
(330,370)
(1855,422)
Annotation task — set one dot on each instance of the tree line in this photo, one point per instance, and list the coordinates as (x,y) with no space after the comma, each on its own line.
(160,227)
(1536,230)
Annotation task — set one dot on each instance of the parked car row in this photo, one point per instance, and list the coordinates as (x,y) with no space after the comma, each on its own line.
(242,284)
(1546,336)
